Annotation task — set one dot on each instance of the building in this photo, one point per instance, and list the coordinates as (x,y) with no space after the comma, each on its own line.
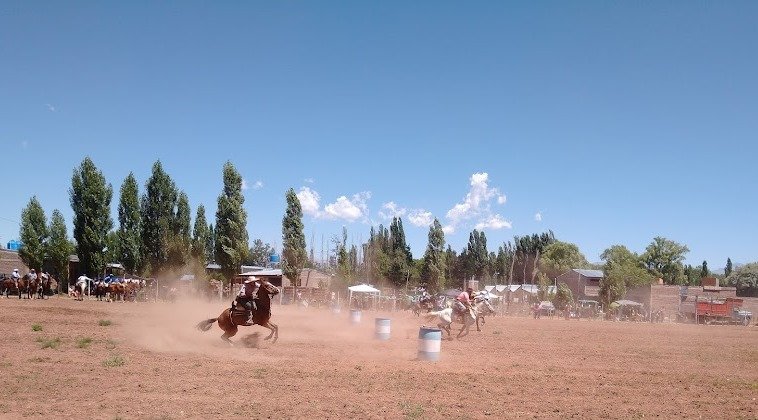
(10,260)
(584,284)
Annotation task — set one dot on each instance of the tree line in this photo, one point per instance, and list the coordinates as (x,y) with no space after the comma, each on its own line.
(155,235)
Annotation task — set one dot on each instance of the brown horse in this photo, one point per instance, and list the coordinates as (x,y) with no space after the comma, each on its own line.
(8,285)
(229,320)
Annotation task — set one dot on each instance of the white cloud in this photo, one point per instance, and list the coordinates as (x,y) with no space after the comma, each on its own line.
(493,222)
(348,209)
(50,107)
(258,185)
(476,204)
(309,201)
(420,217)
(390,210)
(447,229)
(538,217)
(244,184)
(309,180)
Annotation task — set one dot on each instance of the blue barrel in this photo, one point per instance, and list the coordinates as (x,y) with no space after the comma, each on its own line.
(382,329)
(355,316)
(429,343)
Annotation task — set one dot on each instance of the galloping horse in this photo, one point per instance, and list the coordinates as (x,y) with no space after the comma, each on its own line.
(445,318)
(229,320)
(483,308)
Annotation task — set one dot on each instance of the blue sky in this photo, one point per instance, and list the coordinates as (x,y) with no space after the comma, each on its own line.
(614,121)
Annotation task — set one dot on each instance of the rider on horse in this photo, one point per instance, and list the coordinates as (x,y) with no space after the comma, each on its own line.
(15,277)
(463,303)
(247,296)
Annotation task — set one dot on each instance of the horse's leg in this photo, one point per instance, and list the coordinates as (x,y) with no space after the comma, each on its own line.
(274,330)
(229,332)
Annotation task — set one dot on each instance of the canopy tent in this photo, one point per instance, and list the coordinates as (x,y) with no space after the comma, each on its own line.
(362,288)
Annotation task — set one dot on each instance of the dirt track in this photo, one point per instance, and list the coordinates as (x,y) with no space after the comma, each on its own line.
(322,367)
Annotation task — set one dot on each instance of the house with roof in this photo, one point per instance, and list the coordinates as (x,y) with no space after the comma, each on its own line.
(584,284)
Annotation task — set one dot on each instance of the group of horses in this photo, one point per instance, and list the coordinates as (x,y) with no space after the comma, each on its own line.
(28,288)
(441,311)
(113,291)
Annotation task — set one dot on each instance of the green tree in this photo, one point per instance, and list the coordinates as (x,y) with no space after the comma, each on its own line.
(663,258)
(157,210)
(231,223)
(622,269)
(563,297)
(180,240)
(745,279)
(560,257)
(210,244)
(399,255)
(90,198)
(200,234)
(704,272)
(293,239)
(129,231)
(33,234)
(58,246)
(728,269)
(476,258)
(433,267)
(259,253)
(112,247)
(619,254)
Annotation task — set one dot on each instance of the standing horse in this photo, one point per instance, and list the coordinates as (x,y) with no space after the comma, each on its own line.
(229,320)
(445,319)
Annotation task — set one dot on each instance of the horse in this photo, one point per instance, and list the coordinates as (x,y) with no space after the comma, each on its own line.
(81,287)
(42,286)
(425,304)
(445,319)
(230,319)
(6,285)
(115,291)
(483,308)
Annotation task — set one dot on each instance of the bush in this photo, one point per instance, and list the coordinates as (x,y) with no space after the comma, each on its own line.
(83,343)
(49,343)
(36,327)
(114,361)
(104,322)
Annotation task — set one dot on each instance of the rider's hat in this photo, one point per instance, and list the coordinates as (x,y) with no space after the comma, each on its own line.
(15,270)
(251,279)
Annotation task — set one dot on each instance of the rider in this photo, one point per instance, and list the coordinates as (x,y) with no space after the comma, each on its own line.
(32,275)
(463,303)
(247,296)
(15,277)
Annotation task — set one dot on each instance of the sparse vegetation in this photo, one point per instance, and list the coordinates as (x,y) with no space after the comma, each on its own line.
(114,361)
(47,343)
(36,327)
(104,322)
(110,344)
(83,343)
(412,411)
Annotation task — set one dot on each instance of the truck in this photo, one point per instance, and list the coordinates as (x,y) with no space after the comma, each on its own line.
(721,311)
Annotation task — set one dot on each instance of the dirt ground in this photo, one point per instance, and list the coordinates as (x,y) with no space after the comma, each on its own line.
(151,362)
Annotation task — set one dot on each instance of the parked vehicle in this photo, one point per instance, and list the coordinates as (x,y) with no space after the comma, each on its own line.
(722,311)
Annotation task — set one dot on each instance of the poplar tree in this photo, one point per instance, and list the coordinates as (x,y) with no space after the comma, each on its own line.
(180,240)
(231,224)
(433,269)
(157,211)
(90,199)
(728,269)
(293,239)
(129,230)
(58,246)
(33,234)
(200,234)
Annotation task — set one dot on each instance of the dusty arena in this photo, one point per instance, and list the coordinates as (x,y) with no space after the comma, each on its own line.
(61,358)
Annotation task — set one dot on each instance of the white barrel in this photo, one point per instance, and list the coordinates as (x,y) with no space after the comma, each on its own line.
(429,343)
(355,316)
(382,329)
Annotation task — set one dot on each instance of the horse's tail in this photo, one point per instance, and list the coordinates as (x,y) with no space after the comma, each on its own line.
(205,325)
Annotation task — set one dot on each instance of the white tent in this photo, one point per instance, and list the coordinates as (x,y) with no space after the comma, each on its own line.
(362,288)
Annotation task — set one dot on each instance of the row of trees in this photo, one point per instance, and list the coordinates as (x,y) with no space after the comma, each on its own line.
(153,234)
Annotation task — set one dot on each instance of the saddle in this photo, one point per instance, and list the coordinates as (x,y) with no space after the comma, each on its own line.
(239,316)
